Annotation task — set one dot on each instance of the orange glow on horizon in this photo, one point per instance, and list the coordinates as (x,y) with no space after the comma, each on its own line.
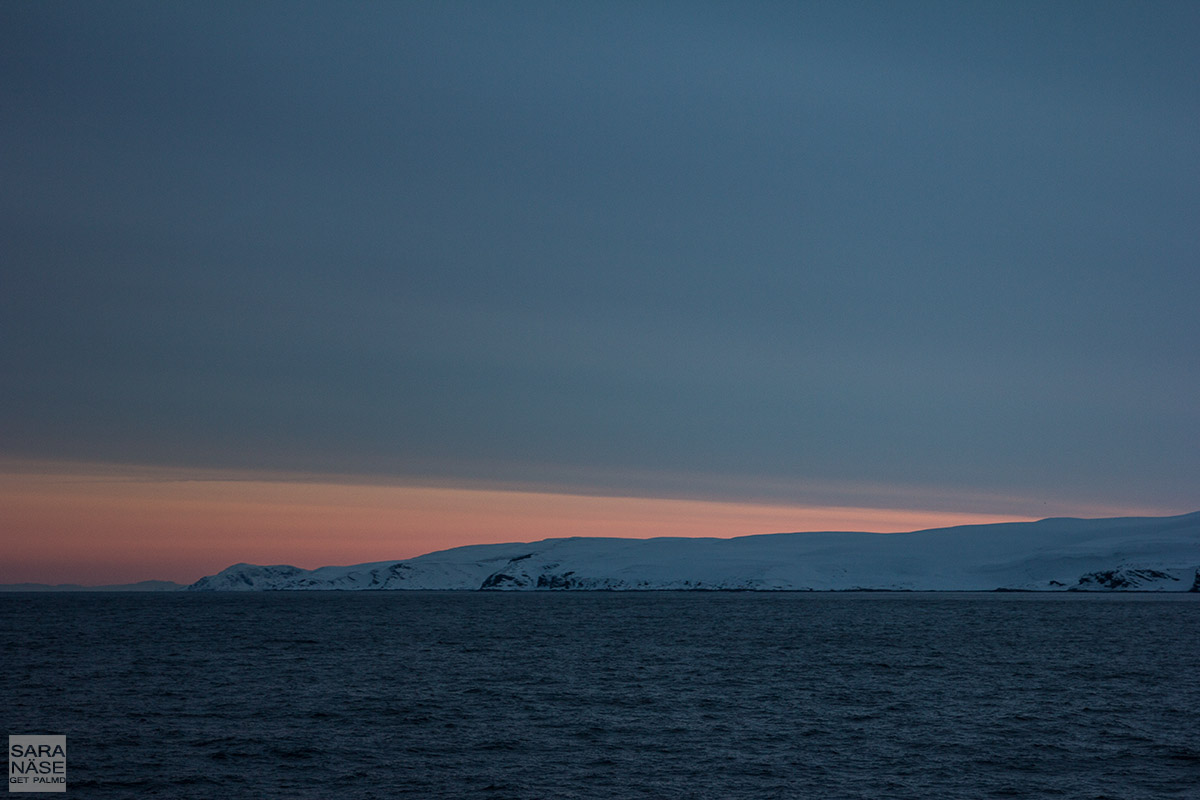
(119,526)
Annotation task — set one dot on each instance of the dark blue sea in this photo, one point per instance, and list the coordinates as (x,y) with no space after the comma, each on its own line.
(610,695)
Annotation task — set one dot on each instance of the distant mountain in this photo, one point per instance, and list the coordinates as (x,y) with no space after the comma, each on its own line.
(1132,553)
(140,586)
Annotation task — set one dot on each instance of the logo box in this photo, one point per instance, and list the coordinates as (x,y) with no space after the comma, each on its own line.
(37,763)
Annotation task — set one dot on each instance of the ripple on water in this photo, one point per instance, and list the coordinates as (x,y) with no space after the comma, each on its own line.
(589,695)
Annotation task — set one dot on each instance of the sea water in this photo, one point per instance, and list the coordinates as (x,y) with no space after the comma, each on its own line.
(609,695)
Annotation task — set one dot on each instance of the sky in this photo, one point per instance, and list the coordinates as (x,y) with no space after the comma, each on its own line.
(327,282)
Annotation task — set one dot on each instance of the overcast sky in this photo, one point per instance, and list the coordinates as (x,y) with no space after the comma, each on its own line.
(730,250)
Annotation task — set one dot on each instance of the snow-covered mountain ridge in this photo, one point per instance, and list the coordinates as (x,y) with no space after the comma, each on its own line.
(1128,553)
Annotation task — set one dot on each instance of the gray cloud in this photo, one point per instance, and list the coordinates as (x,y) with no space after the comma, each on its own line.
(836,242)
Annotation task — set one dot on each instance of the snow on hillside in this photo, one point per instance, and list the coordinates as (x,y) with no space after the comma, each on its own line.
(1144,554)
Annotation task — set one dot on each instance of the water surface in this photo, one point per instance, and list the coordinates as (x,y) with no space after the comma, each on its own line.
(610,695)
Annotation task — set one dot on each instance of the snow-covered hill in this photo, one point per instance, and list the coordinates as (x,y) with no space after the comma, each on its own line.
(1135,553)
